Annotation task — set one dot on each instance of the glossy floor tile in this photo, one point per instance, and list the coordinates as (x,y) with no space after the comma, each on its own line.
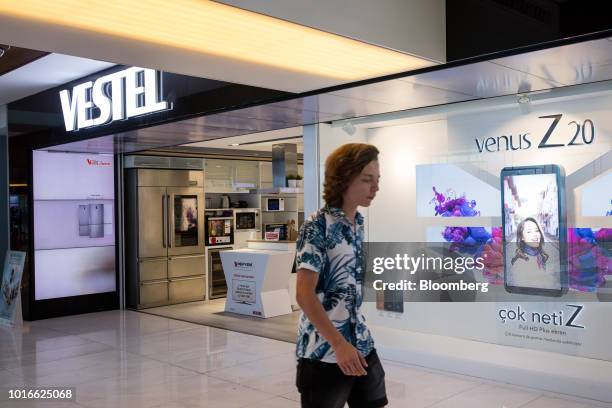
(213,314)
(131,359)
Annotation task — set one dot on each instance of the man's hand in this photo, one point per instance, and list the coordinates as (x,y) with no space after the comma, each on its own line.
(350,361)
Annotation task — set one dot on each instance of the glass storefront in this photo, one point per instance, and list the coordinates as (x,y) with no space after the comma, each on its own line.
(525,189)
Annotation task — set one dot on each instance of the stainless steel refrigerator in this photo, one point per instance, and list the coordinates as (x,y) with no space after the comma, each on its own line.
(164,213)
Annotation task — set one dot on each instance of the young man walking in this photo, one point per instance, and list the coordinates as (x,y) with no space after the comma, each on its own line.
(337,362)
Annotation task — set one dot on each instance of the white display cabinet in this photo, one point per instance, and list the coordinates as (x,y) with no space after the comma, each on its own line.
(246,175)
(219,176)
(229,176)
(265,175)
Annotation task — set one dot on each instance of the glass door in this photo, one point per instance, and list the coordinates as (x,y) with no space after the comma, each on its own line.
(186,229)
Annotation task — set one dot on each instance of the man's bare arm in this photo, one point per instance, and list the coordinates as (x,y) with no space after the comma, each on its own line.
(350,361)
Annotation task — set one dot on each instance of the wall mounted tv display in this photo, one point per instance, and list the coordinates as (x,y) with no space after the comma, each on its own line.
(74,232)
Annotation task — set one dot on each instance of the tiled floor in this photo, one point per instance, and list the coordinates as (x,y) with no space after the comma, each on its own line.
(130,359)
(213,314)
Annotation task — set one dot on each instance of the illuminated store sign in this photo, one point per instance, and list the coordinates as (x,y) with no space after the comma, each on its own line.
(117,96)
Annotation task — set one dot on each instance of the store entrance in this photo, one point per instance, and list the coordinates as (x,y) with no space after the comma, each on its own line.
(210,230)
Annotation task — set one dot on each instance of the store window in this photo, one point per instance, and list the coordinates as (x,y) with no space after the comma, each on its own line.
(489,175)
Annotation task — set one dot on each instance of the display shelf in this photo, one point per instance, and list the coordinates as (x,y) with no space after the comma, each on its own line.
(291,215)
(280,190)
(281,211)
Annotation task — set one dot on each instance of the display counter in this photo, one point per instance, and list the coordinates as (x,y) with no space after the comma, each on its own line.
(258,278)
(279,246)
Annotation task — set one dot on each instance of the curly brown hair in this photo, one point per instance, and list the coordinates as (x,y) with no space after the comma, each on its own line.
(342,166)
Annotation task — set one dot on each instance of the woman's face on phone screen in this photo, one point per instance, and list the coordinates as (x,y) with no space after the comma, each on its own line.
(531,234)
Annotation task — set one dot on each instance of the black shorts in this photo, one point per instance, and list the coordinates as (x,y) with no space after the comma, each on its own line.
(324,385)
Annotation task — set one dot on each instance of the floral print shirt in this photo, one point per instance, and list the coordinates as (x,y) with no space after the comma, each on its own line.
(329,244)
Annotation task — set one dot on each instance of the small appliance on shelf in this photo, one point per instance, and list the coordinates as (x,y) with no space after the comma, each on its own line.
(280,228)
(274,204)
(239,204)
(225,201)
(219,228)
(247,219)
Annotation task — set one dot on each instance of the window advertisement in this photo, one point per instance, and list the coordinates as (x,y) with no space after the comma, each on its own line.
(534,230)
(74,231)
(502,210)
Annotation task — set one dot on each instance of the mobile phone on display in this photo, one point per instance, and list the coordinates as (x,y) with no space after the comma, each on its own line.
(534,230)
(393,301)
(380,300)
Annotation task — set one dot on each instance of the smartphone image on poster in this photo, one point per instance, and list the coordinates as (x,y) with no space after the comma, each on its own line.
(534,230)
(394,301)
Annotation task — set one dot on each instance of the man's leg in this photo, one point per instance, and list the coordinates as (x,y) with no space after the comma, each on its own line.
(322,385)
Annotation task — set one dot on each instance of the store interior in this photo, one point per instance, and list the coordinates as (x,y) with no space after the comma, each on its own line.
(239,194)
(225,197)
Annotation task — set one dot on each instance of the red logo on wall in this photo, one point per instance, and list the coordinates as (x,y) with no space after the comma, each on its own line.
(91,162)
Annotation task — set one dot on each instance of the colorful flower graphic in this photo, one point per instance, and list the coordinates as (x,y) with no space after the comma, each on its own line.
(453,206)
(589,257)
(589,250)
(477,242)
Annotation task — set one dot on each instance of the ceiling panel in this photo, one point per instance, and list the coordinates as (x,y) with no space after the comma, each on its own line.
(589,61)
(483,80)
(402,94)
(45,72)
(255,141)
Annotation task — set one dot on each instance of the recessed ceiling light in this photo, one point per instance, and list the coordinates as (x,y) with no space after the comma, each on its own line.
(235,144)
(211,28)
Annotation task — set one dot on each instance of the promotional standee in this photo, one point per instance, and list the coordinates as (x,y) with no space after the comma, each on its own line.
(257,281)
(10,311)
(526,194)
